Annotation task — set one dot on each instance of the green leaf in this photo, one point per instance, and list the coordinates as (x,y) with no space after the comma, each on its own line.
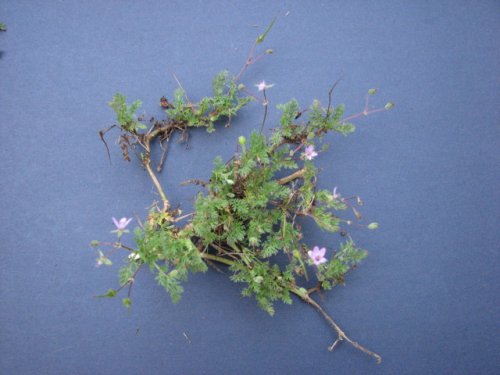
(125,114)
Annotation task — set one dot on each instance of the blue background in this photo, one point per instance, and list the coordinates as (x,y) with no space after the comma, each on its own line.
(427,297)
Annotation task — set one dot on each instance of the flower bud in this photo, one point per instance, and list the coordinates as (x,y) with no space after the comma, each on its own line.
(372,91)
(242,140)
(389,105)
(127,302)
(373,226)
(258,279)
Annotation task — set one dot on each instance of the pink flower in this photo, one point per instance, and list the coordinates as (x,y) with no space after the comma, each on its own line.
(263,86)
(317,255)
(309,152)
(122,224)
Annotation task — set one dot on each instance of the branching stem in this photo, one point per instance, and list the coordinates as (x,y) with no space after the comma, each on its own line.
(306,298)
(341,334)
(147,165)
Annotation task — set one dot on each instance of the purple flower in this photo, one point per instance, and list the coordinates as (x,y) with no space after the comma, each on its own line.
(122,224)
(263,86)
(309,152)
(317,255)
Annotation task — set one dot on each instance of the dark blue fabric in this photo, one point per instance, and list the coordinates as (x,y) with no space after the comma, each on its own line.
(427,297)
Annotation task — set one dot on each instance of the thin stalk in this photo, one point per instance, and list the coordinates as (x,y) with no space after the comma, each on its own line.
(266,103)
(217,259)
(297,174)
(364,113)
(147,165)
(341,334)
(306,298)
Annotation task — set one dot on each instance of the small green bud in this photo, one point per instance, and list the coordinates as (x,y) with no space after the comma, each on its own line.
(241,86)
(258,279)
(94,243)
(127,302)
(242,140)
(213,118)
(373,226)
(389,105)
(269,52)
(110,293)
(372,91)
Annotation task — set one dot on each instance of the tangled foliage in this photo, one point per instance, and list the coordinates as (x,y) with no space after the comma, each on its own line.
(248,215)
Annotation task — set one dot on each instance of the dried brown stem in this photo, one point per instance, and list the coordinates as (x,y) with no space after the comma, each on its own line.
(341,334)
(297,174)
(330,97)
(163,155)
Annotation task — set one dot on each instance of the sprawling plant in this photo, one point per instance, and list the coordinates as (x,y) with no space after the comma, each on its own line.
(248,215)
